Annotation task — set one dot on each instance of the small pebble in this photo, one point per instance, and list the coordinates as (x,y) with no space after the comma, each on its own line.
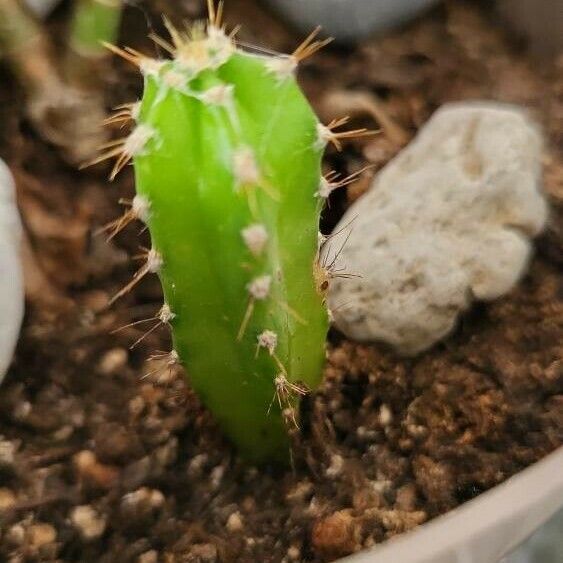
(301,491)
(148,557)
(235,522)
(136,406)
(335,535)
(204,553)
(7,453)
(406,497)
(113,360)
(385,415)
(141,503)
(88,522)
(293,553)
(40,534)
(63,433)
(7,499)
(93,473)
(22,410)
(197,463)
(217,476)
(15,534)
(335,467)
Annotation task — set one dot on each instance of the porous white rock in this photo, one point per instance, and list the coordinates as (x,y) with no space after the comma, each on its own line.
(11,278)
(449,220)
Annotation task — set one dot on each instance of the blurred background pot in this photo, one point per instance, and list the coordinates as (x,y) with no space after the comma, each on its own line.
(349,20)
(11,276)
(42,7)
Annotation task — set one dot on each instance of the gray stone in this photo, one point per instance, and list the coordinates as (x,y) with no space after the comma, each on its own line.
(446,222)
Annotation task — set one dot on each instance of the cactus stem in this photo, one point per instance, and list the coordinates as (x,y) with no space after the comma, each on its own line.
(326,133)
(255,238)
(247,175)
(292,312)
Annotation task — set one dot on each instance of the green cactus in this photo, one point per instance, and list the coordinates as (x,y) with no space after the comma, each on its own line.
(227,158)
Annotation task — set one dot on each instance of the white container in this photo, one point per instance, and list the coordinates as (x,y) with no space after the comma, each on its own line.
(42,7)
(484,529)
(349,20)
(11,277)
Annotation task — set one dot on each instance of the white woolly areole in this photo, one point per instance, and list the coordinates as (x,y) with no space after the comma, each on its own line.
(174,79)
(220,46)
(208,52)
(154,261)
(135,110)
(259,288)
(220,95)
(324,135)
(269,340)
(150,67)
(141,208)
(165,314)
(325,188)
(280,381)
(138,138)
(283,67)
(12,294)
(447,221)
(245,168)
(255,238)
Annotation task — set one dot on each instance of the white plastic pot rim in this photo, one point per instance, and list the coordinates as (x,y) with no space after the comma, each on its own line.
(485,528)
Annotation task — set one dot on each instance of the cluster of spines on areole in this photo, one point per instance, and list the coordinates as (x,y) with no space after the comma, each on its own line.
(195,49)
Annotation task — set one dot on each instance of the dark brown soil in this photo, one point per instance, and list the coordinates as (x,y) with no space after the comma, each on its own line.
(99,464)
